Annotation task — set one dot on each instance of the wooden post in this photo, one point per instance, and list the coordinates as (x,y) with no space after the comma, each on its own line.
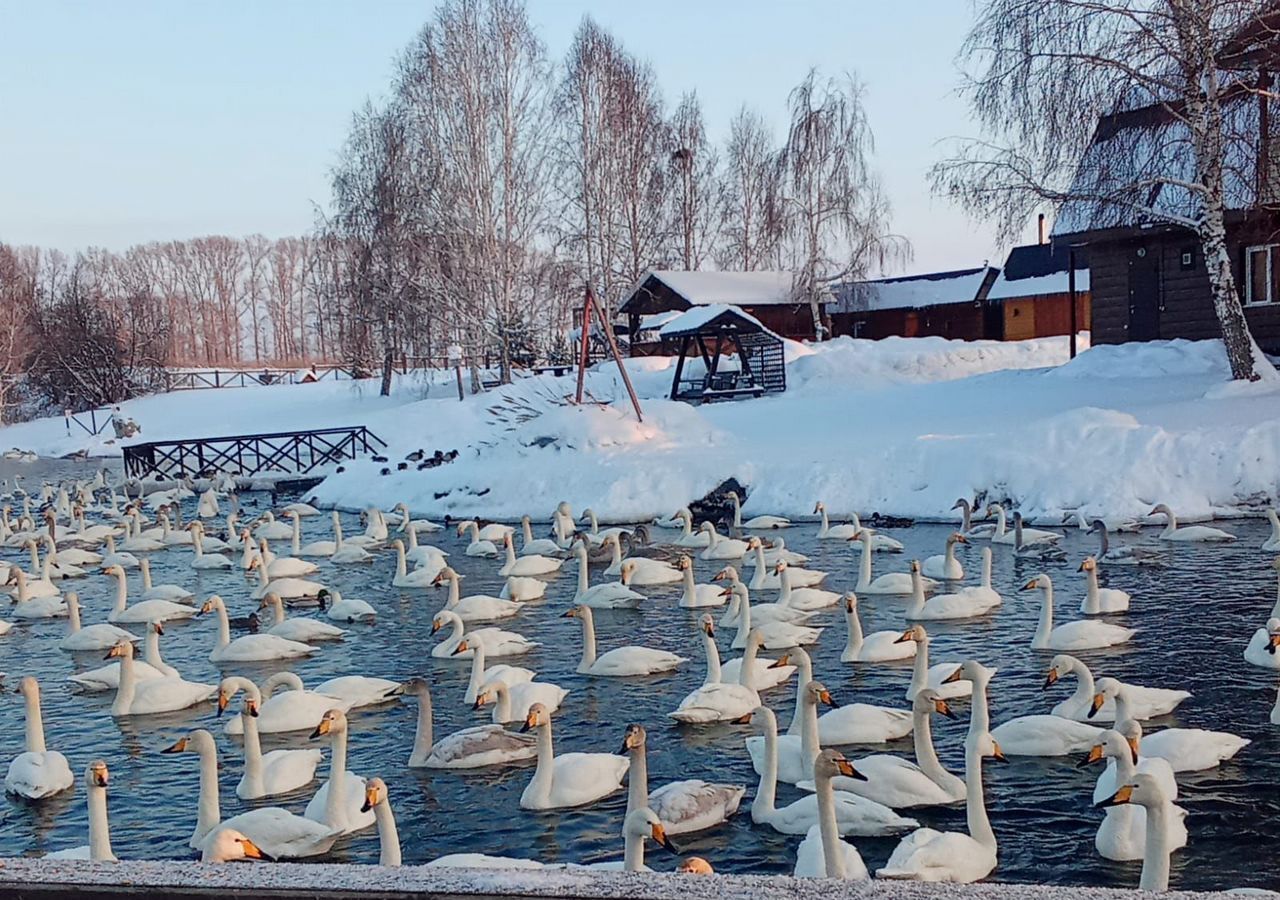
(584,355)
(589,304)
(1071,289)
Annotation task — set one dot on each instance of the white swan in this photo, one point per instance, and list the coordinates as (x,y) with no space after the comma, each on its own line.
(288,587)
(890,582)
(1030,536)
(408,523)
(279,833)
(298,628)
(721,547)
(755,522)
(717,701)
(1124,555)
(523,590)
(966,603)
(528,564)
(772,552)
(829,532)
(643,570)
(1187,533)
(496,641)
(879,646)
(168,693)
(684,806)
(37,772)
(1045,735)
(268,527)
(1186,749)
(418,578)
(1147,792)
(1100,601)
(1273,541)
(28,605)
(376,799)
(796,750)
(476,607)
(340,609)
(967,528)
(1144,702)
(470,748)
(248,647)
(1082,634)
(100,636)
(1261,649)
(805,599)
(854,815)
(538,546)
(766,576)
(96,778)
(313,548)
(107,678)
(610,595)
(150,591)
(355,550)
(482,674)
(265,775)
(477,546)
(775,635)
(693,595)
(144,610)
(339,803)
(766,673)
(512,704)
(1122,835)
(761,612)
(571,779)
(358,691)
(822,853)
(937,676)
(201,559)
(620,662)
(694,540)
(284,566)
(946,566)
(289,705)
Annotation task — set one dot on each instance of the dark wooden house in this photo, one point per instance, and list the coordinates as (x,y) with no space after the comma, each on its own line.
(768,297)
(1147,275)
(1033,292)
(943,304)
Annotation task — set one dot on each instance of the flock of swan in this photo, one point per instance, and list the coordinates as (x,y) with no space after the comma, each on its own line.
(756,597)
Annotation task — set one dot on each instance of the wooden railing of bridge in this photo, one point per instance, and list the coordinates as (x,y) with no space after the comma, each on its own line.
(282,453)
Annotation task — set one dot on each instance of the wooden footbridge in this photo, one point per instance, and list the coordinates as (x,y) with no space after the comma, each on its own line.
(286,453)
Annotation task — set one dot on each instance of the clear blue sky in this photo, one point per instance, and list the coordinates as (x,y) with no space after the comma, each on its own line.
(137,120)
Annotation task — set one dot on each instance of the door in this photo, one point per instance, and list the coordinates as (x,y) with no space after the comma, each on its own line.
(1144,294)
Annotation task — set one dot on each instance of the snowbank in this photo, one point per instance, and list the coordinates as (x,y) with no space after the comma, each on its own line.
(901,426)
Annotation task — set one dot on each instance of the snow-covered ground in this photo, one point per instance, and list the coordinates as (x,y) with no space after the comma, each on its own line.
(900,426)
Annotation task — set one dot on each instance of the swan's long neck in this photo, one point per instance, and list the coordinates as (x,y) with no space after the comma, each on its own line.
(1275,610)
(826,526)
(252,753)
(979,706)
(337,533)
(916,609)
(950,556)
(747,672)
(583,579)
(1001,525)
(713,659)
(1122,706)
(638,780)
(297,535)
(809,747)
(1085,688)
(1092,602)
(422,736)
(588,639)
(966,520)
(920,668)
(617,558)
(1045,625)
(1155,862)
(73,618)
(744,617)
(388,835)
(922,738)
(737,511)
(544,774)
(35,723)
(502,709)
(527,530)
(224,624)
(209,809)
(145,566)
(784,594)
(827,826)
(804,666)
(277,607)
(986,567)
(122,593)
(975,802)
(511,553)
(854,639)
(477,673)
(864,564)
(766,792)
(632,851)
(402,566)
(1104,544)
(334,806)
(455,593)
(690,589)
(126,687)
(151,650)
(99,826)
(1171,522)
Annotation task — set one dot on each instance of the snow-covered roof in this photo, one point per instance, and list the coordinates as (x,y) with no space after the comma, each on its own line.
(699,316)
(914,291)
(1037,285)
(657,320)
(703,288)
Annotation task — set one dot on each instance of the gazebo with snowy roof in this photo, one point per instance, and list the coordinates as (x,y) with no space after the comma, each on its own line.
(725,354)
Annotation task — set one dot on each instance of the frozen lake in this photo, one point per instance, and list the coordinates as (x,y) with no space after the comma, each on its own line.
(1193,619)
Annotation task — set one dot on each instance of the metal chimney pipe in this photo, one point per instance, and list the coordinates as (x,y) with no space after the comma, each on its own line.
(1042,236)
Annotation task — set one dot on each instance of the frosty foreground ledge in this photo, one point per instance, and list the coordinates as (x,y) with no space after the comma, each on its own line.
(34,878)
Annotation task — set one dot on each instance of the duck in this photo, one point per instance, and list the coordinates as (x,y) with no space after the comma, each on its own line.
(1144,702)
(341,609)
(822,853)
(805,599)
(608,595)
(280,833)
(265,775)
(168,693)
(511,704)
(686,806)
(854,815)
(620,662)
(469,748)
(775,635)
(107,678)
(722,701)
(755,522)
(1100,601)
(339,804)
(96,779)
(477,546)
(569,780)
(693,595)
(298,628)
(1082,634)
(536,547)
(248,647)
(496,641)
(721,547)
(936,676)
(101,636)
(1125,555)
(890,582)
(289,705)
(879,646)
(476,607)
(529,564)
(1186,749)
(143,610)
(202,560)
(171,592)
(644,570)
(1123,832)
(946,566)
(829,532)
(966,603)
(37,772)
(1002,535)
(1188,533)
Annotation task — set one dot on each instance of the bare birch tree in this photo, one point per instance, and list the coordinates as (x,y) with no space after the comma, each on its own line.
(1042,74)
(695,196)
(751,226)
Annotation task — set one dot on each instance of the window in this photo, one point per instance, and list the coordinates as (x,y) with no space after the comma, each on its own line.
(1262,274)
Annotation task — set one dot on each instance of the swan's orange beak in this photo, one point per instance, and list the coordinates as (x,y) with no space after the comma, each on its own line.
(1094,755)
(1096,704)
(179,747)
(223,700)
(1050,679)
(251,850)
(1133,748)
(906,636)
(1124,795)
(997,754)
(941,706)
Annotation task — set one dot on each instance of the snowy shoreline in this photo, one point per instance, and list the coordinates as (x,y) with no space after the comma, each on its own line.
(901,427)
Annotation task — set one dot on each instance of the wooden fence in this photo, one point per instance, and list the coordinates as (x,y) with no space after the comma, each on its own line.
(286,453)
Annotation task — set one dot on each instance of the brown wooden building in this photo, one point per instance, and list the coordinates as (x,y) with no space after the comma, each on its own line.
(945,304)
(770,297)
(1033,292)
(1147,276)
